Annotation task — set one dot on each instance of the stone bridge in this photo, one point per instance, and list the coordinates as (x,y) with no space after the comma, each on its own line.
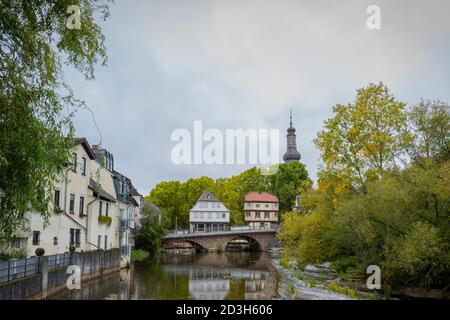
(215,241)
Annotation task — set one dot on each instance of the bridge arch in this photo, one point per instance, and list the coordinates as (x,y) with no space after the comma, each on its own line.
(254,244)
(181,244)
(258,239)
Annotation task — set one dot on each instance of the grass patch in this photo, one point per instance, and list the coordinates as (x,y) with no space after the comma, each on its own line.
(344,290)
(291,290)
(139,255)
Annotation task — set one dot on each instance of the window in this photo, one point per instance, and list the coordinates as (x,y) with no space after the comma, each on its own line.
(257,205)
(57,198)
(201,215)
(99,242)
(224,215)
(74,162)
(83,166)
(77,237)
(210,215)
(247,214)
(195,215)
(258,215)
(107,209)
(266,205)
(100,208)
(81,206)
(72,203)
(106,242)
(266,215)
(122,186)
(72,237)
(36,238)
(15,243)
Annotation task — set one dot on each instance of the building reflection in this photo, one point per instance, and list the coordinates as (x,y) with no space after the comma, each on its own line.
(206,277)
(219,283)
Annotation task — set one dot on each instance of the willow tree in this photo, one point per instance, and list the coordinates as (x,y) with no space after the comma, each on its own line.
(37,40)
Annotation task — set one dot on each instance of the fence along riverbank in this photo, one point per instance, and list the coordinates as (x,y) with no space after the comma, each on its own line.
(40,277)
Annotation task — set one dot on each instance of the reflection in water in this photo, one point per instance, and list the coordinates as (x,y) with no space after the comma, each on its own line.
(230,275)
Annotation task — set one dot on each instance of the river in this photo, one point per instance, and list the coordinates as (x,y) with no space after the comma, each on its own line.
(217,276)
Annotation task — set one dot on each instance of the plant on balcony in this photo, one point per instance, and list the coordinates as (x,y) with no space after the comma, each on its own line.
(105,220)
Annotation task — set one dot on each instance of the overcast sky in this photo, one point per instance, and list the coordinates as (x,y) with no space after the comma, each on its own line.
(244,64)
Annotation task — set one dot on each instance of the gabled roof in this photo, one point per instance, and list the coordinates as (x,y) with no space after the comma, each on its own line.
(258,196)
(86,146)
(134,192)
(208,196)
(100,192)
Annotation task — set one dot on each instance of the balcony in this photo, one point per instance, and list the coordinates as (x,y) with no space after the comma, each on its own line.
(124,224)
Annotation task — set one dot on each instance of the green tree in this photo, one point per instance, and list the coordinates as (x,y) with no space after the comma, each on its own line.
(286,183)
(399,220)
(152,230)
(232,191)
(363,138)
(429,125)
(36,103)
(167,196)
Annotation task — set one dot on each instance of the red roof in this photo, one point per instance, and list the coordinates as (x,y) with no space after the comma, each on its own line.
(260,197)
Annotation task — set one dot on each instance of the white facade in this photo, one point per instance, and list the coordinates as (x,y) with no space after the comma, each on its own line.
(208,214)
(86,210)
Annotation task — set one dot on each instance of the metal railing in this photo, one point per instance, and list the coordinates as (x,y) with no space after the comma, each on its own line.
(21,268)
(16,269)
(124,250)
(214,230)
(58,261)
(124,224)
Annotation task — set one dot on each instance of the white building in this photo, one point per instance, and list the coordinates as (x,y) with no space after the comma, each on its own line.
(208,214)
(86,209)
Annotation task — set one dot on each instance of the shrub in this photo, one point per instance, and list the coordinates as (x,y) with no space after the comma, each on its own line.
(105,220)
(139,255)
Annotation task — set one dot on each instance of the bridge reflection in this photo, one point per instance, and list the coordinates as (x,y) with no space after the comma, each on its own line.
(219,279)
(243,275)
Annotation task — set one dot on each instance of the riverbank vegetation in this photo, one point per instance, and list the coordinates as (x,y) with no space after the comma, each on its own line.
(176,198)
(139,255)
(152,229)
(383,195)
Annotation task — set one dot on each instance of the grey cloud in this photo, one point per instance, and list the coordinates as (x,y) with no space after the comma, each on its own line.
(243,64)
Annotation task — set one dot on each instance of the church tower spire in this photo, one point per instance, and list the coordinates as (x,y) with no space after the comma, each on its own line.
(291,154)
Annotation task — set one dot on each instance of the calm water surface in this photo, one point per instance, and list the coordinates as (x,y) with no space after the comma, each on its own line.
(229,275)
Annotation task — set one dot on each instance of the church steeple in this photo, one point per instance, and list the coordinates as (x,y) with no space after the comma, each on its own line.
(291,154)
